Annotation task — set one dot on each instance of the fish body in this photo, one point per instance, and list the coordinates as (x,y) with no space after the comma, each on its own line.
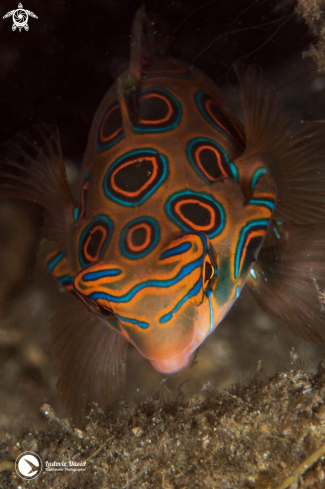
(176,200)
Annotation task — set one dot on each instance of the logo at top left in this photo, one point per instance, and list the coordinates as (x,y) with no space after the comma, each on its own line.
(20,18)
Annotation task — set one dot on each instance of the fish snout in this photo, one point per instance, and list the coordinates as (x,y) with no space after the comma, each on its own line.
(174,363)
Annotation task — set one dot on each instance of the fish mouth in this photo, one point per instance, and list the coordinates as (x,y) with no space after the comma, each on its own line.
(173,364)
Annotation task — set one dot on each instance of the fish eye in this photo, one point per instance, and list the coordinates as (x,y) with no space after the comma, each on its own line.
(104,311)
(208,271)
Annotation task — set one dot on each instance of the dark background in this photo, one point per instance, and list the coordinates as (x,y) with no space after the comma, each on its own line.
(58,72)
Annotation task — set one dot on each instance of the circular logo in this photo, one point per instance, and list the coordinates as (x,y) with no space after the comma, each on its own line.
(28,465)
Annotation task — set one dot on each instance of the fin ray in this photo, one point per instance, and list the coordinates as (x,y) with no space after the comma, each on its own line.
(295,161)
(148,41)
(89,357)
(289,278)
(32,168)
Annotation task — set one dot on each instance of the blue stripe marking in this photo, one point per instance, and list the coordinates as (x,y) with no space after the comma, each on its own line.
(142,324)
(184,272)
(89,277)
(234,171)
(259,172)
(268,203)
(66,278)
(75,213)
(177,250)
(211,314)
(208,292)
(53,263)
(194,291)
(262,223)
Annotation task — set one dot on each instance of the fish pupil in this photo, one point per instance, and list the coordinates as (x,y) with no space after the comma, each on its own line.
(208,271)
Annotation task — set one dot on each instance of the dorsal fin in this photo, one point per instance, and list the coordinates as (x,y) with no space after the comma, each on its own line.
(148,42)
(137,43)
(125,107)
(296,162)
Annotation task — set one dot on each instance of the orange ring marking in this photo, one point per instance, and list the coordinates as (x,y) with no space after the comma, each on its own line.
(127,163)
(190,223)
(169,113)
(147,241)
(101,129)
(197,156)
(104,235)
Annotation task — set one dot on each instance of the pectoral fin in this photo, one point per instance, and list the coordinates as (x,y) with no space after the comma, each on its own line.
(296,161)
(288,279)
(32,168)
(89,357)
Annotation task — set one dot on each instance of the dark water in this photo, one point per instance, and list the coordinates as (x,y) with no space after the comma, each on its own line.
(58,72)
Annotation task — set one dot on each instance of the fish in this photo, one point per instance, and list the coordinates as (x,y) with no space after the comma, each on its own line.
(180,206)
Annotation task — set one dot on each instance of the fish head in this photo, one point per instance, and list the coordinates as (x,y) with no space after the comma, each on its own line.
(162,307)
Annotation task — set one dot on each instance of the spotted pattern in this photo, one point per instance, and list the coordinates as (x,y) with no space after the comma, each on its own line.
(135,176)
(209,160)
(110,129)
(219,119)
(139,237)
(198,212)
(94,240)
(158,110)
(186,219)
